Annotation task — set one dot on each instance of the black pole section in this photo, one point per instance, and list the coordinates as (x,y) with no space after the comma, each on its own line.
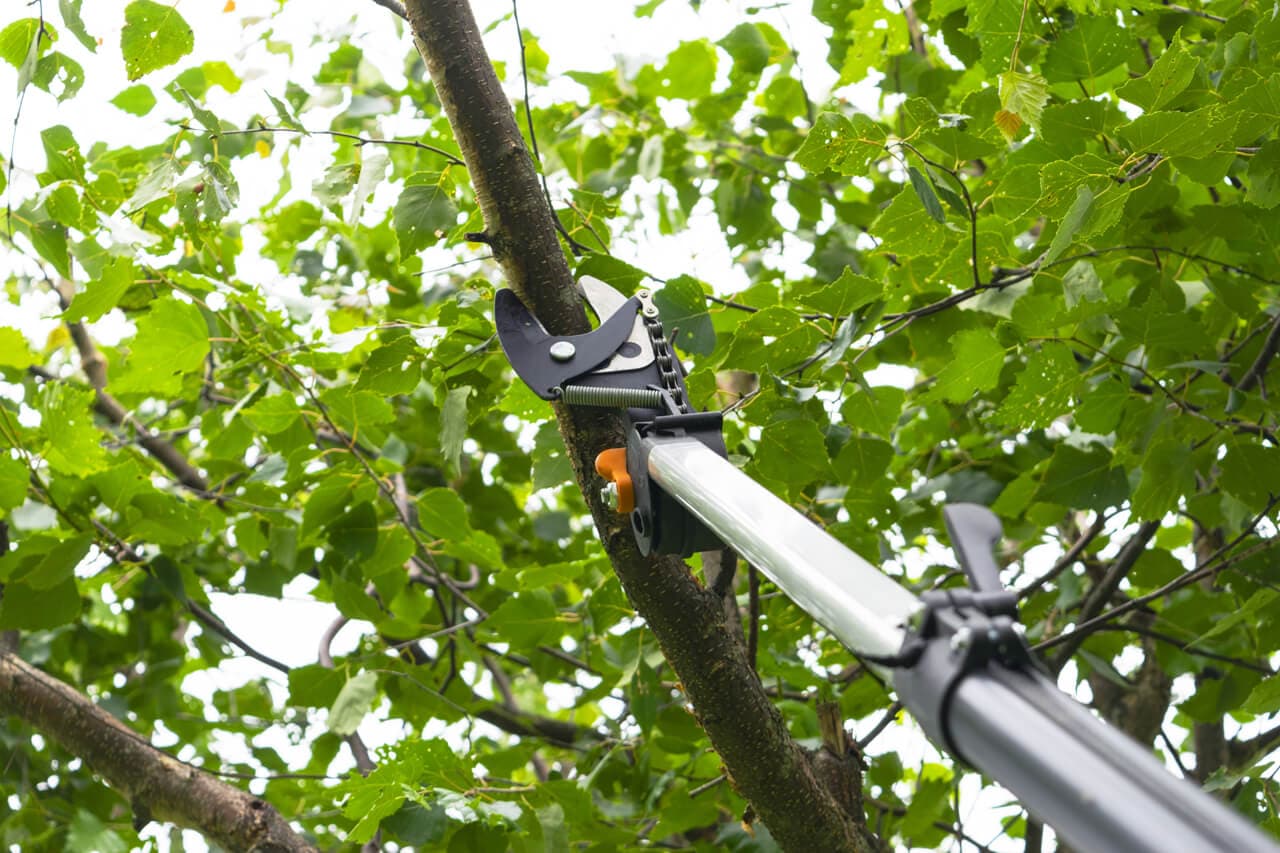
(1096,787)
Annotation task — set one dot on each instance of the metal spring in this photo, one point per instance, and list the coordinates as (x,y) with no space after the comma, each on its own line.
(611,398)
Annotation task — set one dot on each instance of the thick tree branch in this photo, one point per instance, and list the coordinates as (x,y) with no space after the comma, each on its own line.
(767,766)
(1259,367)
(157,785)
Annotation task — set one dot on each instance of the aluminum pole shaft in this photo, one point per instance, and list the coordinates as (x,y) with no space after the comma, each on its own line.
(845,593)
(1099,789)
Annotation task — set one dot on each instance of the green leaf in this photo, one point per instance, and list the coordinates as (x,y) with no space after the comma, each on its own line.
(1167,474)
(1083,479)
(17,41)
(14,350)
(203,115)
(353,702)
(1043,390)
(975,365)
(1164,81)
(103,291)
(424,213)
(1022,100)
(1071,223)
(682,304)
(172,342)
(907,229)
(58,564)
(355,534)
(748,47)
(70,10)
(1081,284)
(1250,472)
(272,414)
(1265,697)
(1264,176)
(87,832)
(845,145)
(843,296)
(1175,134)
(72,442)
(25,608)
(154,36)
(690,71)
(926,194)
(14,477)
(1094,46)
(792,452)
(393,368)
(525,620)
(453,424)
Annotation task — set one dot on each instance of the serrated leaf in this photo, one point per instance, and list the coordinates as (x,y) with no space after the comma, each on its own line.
(172,342)
(14,350)
(526,620)
(1167,474)
(792,452)
(1043,390)
(73,444)
(1094,46)
(682,304)
(393,368)
(354,701)
(102,293)
(1265,697)
(1022,97)
(975,365)
(272,414)
(1164,81)
(1083,479)
(154,36)
(14,478)
(424,213)
(845,145)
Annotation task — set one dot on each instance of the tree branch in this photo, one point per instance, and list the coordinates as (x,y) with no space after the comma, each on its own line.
(768,767)
(157,785)
(1254,374)
(1106,587)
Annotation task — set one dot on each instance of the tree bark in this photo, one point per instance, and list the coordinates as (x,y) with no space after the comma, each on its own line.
(764,762)
(157,785)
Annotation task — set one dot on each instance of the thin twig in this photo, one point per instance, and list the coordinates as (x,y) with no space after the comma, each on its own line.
(1259,367)
(574,246)
(338,134)
(1068,558)
(394,6)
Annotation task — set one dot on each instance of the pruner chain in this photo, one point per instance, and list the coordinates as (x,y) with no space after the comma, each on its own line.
(662,353)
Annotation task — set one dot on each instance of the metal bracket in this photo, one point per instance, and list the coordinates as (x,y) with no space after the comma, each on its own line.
(961,631)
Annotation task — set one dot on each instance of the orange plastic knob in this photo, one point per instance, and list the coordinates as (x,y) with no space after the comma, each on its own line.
(612,465)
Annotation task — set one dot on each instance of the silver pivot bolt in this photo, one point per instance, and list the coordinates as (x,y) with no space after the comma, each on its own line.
(609,495)
(563,351)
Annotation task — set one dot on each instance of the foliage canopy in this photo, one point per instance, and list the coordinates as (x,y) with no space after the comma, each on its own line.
(1060,223)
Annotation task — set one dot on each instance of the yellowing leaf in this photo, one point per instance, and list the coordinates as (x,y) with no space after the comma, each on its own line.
(262,147)
(1022,97)
(230,7)
(1008,123)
